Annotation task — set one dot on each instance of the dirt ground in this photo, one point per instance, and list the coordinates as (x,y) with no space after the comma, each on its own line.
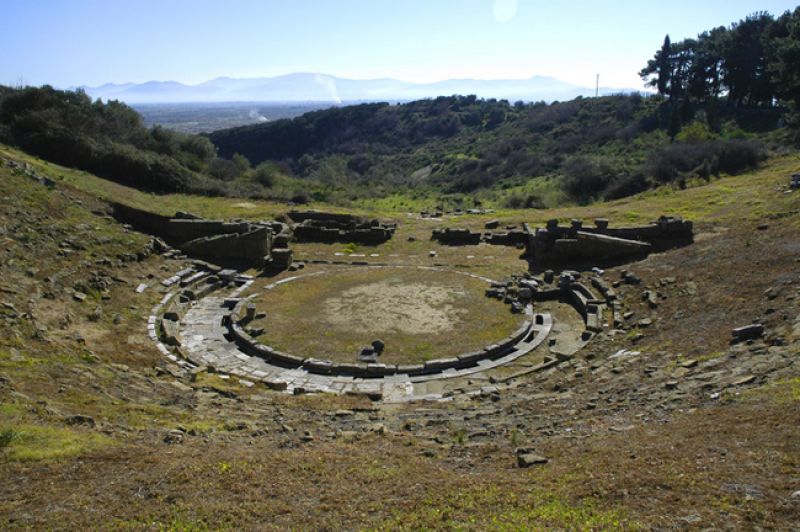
(419,313)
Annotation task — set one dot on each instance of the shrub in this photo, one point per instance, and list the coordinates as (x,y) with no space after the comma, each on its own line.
(585,177)
(224,169)
(626,185)
(7,437)
(529,201)
(360,163)
(738,155)
(696,131)
(300,198)
(265,174)
(704,159)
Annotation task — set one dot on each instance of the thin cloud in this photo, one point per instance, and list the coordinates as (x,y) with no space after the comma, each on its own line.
(504,10)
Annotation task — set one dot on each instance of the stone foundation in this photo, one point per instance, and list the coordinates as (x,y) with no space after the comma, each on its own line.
(314,226)
(214,240)
(560,245)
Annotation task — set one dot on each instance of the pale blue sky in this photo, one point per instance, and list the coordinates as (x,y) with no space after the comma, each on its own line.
(90,42)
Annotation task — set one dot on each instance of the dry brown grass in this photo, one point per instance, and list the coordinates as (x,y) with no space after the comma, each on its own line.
(245,462)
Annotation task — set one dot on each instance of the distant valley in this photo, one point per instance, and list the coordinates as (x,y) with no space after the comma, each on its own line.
(323,88)
(204,117)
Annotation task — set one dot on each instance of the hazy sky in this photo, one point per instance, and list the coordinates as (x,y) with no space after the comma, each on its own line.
(90,42)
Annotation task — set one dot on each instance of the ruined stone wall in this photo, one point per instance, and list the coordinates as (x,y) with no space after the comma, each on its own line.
(506,238)
(250,247)
(145,221)
(556,244)
(302,216)
(453,236)
(456,237)
(173,228)
(213,240)
(315,226)
(236,321)
(182,230)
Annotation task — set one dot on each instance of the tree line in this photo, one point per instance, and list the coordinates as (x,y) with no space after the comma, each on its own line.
(752,63)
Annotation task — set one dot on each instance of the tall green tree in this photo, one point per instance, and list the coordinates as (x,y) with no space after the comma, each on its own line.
(658,71)
(746,75)
(784,69)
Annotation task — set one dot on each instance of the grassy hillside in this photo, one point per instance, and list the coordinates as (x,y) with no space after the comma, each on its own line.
(748,196)
(110,140)
(454,151)
(460,145)
(87,404)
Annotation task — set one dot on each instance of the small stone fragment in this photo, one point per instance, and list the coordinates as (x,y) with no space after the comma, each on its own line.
(530,459)
(173,437)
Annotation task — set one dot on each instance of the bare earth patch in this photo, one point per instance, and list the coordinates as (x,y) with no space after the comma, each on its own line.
(419,314)
(390,305)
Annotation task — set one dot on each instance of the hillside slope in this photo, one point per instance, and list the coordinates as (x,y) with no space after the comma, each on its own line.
(605,147)
(680,430)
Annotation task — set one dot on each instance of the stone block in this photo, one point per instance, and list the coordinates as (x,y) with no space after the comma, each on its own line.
(748,332)
(525,460)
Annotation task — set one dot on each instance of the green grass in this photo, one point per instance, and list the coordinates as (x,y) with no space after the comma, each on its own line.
(782,392)
(720,199)
(29,442)
(497,509)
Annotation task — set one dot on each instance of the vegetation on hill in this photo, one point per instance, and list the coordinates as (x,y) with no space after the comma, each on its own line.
(110,140)
(602,147)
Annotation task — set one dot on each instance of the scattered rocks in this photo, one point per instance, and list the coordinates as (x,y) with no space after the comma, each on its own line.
(630,278)
(621,428)
(378,428)
(80,419)
(174,437)
(651,298)
(527,458)
(773,292)
(747,379)
(97,314)
(348,436)
(750,491)
(748,332)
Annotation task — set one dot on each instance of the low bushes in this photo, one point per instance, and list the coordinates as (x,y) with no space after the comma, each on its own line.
(704,159)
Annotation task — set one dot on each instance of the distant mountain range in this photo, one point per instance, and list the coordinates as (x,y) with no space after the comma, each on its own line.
(309,87)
